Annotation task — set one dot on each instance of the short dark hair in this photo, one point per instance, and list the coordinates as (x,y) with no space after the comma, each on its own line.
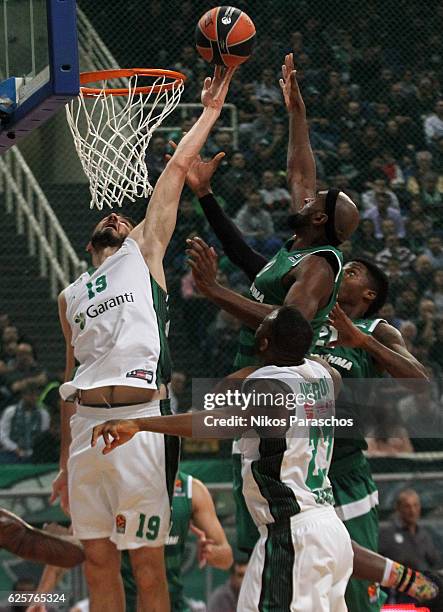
(291,329)
(379,283)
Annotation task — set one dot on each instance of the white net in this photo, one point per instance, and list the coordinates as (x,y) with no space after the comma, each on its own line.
(112,134)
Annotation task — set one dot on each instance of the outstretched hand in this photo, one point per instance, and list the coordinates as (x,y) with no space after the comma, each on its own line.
(199,175)
(114,433)
(204,263)
(348,334)
(289,86)
(216,88)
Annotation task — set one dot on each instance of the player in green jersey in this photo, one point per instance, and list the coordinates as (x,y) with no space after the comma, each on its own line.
(306,272)
(366,348)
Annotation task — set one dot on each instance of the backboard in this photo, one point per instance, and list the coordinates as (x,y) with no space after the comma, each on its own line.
(39,71)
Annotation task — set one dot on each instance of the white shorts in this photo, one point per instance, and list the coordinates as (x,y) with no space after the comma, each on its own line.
(125,495)
(301,566)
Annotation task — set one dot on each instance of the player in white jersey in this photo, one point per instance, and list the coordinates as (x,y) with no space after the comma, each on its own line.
(115,320)
(303,559)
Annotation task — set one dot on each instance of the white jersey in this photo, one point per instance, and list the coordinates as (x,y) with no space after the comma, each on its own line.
(119,320)
(288,475)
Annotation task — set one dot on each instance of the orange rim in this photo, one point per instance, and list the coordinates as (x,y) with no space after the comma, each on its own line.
(102,75)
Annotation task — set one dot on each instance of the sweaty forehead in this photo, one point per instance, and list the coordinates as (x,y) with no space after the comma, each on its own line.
(356,266)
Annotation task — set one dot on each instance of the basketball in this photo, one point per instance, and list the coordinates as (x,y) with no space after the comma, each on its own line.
(225,36)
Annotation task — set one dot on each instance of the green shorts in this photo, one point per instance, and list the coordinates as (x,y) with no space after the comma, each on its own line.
(356,500)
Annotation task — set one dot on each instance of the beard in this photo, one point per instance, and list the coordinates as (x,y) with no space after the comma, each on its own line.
(106,237)
(297,221)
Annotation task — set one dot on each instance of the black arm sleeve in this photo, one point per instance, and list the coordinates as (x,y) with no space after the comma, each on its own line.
(231,238)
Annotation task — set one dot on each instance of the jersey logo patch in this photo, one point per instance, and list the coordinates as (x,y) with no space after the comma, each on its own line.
(147,375)
(120,523)
(80,319)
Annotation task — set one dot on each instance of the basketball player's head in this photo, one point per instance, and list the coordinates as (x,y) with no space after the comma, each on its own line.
(110,232)
(329,218)
(284,337)
(363,284)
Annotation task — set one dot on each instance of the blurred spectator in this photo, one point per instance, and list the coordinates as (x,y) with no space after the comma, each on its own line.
(381,211)
(389,436)
(267,90)
(225,597)
(416,235)
(156,157)
(408,542)
(393,250)
(221,141)
(434,250)
(223,342)
(434,124)
(408,331)
(177,388)
(417,211)
(273,196)
(423,273)
(235,180)
(392,170)
(24,370)
(256,225)
(190,223)
(345,165)
(426,322)
(424,165)
(431,196)
(436,349)
(435,291)
(387,312)
(366,244)
(46,445)
(20,424)
(379,185)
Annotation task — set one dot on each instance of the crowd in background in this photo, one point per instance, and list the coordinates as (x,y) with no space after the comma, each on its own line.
(371,77)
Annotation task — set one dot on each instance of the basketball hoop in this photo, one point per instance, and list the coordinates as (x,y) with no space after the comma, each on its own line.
(112,127)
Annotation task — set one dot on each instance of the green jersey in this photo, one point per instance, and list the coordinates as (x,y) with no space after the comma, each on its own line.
(174,549)
(268,288)
(351,363)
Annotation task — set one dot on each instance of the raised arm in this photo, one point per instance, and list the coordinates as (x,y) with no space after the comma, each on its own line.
(154,234)
(301,163)
(386,346)
(310,290)
(60,484)
(198,179)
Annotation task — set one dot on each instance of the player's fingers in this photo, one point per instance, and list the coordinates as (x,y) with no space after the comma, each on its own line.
(218,72)
(207,83)
(201,242)
(173,144)
(217,159)
(198,532)
(213,254)
(195,244)
(96,432)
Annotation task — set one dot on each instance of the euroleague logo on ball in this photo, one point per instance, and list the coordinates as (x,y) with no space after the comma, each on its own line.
(227,17)
(225,36)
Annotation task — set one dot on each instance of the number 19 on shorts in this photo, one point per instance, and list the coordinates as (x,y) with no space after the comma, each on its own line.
(148,528)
